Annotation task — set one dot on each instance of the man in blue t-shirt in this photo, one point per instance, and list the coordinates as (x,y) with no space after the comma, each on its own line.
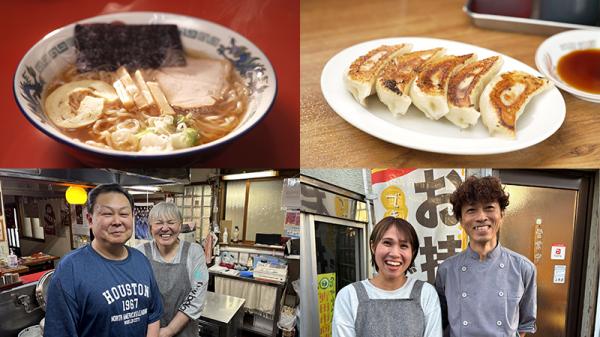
(105,289)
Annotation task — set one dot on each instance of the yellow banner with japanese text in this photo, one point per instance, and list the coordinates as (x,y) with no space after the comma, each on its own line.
(326,291)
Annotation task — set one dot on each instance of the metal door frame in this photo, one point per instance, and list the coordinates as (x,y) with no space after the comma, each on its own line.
(308,267)
(583,182)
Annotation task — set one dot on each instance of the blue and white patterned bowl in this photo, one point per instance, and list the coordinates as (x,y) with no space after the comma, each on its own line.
(47,58)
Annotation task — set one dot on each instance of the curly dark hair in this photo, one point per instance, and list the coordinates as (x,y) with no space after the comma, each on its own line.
(475,189)
(402,226)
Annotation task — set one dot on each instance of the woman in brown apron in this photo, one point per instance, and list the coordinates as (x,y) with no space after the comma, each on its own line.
(390,303)
(180,271)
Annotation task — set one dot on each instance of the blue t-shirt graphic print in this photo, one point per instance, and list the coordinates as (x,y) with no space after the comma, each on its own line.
(93,296)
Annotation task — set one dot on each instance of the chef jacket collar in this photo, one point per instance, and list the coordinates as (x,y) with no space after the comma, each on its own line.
(490,256)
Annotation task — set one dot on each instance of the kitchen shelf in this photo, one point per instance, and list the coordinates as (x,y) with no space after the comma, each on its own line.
(195,206)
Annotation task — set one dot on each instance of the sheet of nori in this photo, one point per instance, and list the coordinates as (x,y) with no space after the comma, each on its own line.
(104,46)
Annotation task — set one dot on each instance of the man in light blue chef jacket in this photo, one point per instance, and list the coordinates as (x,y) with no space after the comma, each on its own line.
(487,289)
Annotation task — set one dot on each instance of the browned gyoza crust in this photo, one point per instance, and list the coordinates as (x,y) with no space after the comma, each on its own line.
(443,67)
(402,70)
(365,69)
(507,113)
(460,97)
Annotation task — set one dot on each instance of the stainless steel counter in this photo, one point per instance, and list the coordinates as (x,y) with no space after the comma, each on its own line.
(221,308)
(222,316)
(280,286)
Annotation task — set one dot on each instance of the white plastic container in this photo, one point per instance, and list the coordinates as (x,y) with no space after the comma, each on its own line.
(12,260)
(225,235)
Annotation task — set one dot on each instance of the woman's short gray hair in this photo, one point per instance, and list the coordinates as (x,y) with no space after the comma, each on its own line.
(165,210)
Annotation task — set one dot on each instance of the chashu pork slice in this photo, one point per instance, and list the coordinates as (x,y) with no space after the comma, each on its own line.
(429,89)
(465,87)
(504,99)
(360,79)
(394,81)
(200,83)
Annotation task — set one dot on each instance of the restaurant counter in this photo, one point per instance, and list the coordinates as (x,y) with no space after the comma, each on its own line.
(39,262)
(18,269)
(31,264)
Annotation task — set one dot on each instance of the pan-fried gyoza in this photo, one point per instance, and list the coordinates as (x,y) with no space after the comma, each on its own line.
(454,87)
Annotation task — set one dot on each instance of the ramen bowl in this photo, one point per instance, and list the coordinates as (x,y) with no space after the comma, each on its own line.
(56,51)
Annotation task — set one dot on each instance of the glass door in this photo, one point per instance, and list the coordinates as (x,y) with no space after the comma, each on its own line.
(339,252)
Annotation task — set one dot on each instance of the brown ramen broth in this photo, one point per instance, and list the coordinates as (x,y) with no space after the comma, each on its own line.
(150,129)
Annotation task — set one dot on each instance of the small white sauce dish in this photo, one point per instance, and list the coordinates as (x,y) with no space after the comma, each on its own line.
(552,49)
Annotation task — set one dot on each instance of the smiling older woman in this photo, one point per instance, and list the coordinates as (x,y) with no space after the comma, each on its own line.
(180,271)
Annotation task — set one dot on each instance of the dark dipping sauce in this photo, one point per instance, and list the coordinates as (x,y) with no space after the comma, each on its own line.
(581,69)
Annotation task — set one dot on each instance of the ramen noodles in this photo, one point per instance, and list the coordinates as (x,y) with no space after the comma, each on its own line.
(148,109)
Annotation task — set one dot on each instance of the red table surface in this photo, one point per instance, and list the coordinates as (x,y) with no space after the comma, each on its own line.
(33,277)
(272,25)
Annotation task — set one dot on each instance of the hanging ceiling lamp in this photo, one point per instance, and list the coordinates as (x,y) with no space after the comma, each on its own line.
(76,195)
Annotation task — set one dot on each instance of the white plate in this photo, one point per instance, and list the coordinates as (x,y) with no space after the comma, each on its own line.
(542,117)
(555,47)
